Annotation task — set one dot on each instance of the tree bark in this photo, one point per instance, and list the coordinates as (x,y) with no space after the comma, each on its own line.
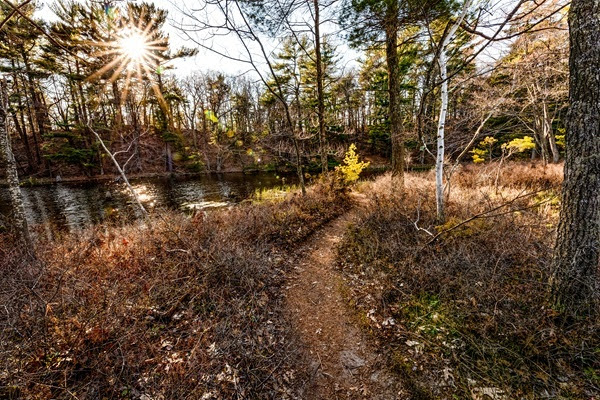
(391,52)
(550,134)
(443,64)
(23,135)
(575,283)
(7,162)
(118,122)
(320,95)
(35,98)
(439,162)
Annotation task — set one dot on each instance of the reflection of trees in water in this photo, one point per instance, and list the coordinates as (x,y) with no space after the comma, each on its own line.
(40,208)
(225,188)
(74,207)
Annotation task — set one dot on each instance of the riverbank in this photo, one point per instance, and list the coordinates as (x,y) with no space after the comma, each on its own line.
(176,307)
(116,178)
(75,206)
(31,181)
(319,296)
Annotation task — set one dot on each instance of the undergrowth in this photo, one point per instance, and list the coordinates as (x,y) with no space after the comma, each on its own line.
(177,308)
(466,314)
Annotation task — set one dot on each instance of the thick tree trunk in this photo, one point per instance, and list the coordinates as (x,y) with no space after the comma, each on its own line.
(576,283)
(320,95)
(8,164)
(391,52)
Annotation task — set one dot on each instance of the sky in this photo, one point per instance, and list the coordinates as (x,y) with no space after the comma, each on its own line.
(208,60)
(205,59)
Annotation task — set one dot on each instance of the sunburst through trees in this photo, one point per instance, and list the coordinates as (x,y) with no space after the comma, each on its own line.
(137,49)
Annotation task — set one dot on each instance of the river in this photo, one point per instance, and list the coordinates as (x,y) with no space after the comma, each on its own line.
(71,207)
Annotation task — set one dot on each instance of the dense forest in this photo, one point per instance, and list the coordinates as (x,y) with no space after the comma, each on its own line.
(390,199)
(62,89)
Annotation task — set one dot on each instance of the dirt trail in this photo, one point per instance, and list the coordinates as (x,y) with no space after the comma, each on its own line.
(343,365)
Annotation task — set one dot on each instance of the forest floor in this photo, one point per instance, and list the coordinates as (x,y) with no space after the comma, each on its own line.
(343,364)
(323,296)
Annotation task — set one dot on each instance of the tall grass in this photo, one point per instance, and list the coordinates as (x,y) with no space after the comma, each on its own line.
(466,315)
(179,308)
(277,193)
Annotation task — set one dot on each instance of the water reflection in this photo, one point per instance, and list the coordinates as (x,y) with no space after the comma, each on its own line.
(75,206)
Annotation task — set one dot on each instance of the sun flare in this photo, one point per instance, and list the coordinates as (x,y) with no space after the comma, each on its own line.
(134,46)
(132,50)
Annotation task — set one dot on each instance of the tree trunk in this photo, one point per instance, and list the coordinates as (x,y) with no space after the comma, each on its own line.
(443,64)
(553,147)
(320,95)
(23,134)
(121,172)
(299,165)
(8,164)
(550,135)
(37,104)
(85,114)
(439,162)
(38,110)
(576,283)
(136,135)
(391,52)
(169,157)
(118,122)
(290,124)
(20,125)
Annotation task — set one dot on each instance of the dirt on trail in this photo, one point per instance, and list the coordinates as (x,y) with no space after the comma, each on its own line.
(343,364)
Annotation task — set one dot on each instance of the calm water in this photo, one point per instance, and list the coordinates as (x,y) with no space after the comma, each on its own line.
(75,206)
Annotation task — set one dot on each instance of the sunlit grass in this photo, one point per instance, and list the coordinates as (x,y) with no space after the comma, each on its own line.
(274,194)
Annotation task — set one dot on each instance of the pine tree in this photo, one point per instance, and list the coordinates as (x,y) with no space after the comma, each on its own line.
(576,281)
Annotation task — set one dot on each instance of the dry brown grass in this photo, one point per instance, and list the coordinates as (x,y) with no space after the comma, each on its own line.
(180,308)
(511,175)
(469,311)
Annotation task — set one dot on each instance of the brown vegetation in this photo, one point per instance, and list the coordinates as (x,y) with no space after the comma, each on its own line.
(462,310)
(179,308)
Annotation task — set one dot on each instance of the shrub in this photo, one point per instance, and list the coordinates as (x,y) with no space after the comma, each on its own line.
(350,170)
(184,307)
(467,315)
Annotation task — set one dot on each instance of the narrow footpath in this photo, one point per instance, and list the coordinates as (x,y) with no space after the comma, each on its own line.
(343,364)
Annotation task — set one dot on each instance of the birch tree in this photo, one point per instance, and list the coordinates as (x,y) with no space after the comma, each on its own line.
(9,166)
(443,65)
